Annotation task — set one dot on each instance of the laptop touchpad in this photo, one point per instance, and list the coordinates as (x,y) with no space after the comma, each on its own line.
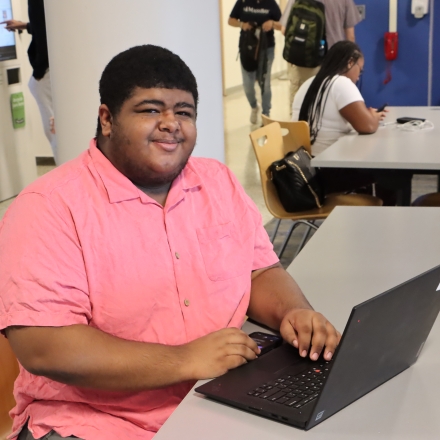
(280,357)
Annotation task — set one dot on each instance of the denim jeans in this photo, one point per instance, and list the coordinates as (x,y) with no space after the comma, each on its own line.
(249,79)
(52,435)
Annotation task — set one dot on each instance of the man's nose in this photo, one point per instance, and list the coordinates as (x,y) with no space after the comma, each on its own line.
(169,122)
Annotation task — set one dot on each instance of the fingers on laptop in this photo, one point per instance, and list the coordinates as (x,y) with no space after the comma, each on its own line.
(216,353)
(310,332)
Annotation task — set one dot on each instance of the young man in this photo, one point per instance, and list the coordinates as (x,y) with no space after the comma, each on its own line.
(126,273)
(249,15)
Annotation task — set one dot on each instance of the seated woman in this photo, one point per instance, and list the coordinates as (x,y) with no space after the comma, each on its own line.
(333,106)
(330,101)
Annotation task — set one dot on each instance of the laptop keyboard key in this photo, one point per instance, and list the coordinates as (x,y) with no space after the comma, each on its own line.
(294,391)
(269,393)
(292,402)
(276,396)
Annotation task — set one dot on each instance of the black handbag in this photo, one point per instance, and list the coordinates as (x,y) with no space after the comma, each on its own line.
(297,182)
(249,48)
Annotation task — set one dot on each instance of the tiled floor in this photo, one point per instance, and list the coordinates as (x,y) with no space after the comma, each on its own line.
(240,156)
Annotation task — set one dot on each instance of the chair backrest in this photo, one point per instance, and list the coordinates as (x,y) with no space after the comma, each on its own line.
(8,374)
(268,145)
(297,134)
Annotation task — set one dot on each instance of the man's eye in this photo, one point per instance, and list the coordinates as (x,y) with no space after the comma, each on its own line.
(184,113)
(149,110)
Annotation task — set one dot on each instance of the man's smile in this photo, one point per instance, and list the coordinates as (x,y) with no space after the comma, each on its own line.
(168,145)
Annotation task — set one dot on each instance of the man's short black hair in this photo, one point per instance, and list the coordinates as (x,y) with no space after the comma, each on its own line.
(144,66)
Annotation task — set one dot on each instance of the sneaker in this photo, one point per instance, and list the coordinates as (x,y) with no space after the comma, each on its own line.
(254,114)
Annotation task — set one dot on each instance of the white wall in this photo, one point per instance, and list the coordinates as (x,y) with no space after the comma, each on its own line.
(232,71)
(84,35)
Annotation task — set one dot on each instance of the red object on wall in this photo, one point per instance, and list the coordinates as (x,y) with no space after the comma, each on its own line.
(391,45)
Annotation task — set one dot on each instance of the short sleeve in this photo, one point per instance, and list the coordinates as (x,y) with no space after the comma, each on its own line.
(352,16)
(345,92)
(237,10)
(42,272)
(276,12)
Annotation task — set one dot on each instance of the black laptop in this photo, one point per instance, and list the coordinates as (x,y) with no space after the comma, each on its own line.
(383,337)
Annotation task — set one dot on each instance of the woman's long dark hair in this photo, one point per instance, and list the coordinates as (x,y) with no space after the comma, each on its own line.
(335,63)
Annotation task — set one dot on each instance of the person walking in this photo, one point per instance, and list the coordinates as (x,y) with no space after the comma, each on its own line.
(341,16)
(39,83)
(261,17)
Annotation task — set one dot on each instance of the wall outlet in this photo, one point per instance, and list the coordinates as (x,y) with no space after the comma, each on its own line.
(361,9)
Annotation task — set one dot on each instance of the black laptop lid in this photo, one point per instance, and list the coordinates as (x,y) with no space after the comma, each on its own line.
(383,337)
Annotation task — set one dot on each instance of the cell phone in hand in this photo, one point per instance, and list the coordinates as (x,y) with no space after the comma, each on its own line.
(266,341)
(382,108)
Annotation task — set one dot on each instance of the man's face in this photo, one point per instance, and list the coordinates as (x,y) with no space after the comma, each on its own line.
(153,135)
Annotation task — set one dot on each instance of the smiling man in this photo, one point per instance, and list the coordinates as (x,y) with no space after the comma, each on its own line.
(126,273)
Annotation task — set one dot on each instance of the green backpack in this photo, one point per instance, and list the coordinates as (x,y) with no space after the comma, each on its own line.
(305,42)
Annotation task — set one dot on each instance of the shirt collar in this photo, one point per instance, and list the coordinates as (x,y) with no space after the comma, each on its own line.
(120,188)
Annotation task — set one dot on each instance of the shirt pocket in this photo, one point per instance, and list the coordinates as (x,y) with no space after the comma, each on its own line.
(226,253)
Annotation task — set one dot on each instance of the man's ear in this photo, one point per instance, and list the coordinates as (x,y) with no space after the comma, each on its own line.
(106,120)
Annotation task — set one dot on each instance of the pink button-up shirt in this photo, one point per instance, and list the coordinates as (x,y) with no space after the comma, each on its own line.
(83,245)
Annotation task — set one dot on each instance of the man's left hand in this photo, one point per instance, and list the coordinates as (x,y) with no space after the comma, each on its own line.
(14,25)
(310,332)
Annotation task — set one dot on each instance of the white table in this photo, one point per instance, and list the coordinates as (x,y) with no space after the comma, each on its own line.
(356,254)
(390,148)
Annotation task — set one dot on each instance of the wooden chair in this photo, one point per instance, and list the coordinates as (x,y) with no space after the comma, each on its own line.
(295,134)
(432,199)
(268,145)
(8,374)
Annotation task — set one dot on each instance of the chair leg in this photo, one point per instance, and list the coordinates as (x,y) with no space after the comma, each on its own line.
(274,233)
(295,224)
(286,240)
(304,238)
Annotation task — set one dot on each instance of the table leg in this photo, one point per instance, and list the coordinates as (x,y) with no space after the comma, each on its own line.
(398,181)
(404,193)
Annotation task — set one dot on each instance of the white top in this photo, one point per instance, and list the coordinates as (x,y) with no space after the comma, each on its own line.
(341,92)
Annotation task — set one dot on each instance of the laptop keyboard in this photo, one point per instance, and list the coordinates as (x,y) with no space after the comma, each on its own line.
(294,391)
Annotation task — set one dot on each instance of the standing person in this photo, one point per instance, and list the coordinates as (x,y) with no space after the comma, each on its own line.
(341,16)
(248,15)
(39,83)
(126,273)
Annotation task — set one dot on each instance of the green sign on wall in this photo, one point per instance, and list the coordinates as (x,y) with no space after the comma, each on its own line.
(17,110)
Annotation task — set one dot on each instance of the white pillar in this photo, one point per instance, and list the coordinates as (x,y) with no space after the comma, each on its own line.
(84,35)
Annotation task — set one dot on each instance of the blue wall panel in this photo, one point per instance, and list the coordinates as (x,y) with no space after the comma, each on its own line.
(409,84)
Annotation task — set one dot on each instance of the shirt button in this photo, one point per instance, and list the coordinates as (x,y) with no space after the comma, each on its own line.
(186,302)
(177,255)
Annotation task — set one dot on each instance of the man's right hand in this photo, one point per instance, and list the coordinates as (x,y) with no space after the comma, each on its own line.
(216,353)
(14,25)
(83,356)
(246,26)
